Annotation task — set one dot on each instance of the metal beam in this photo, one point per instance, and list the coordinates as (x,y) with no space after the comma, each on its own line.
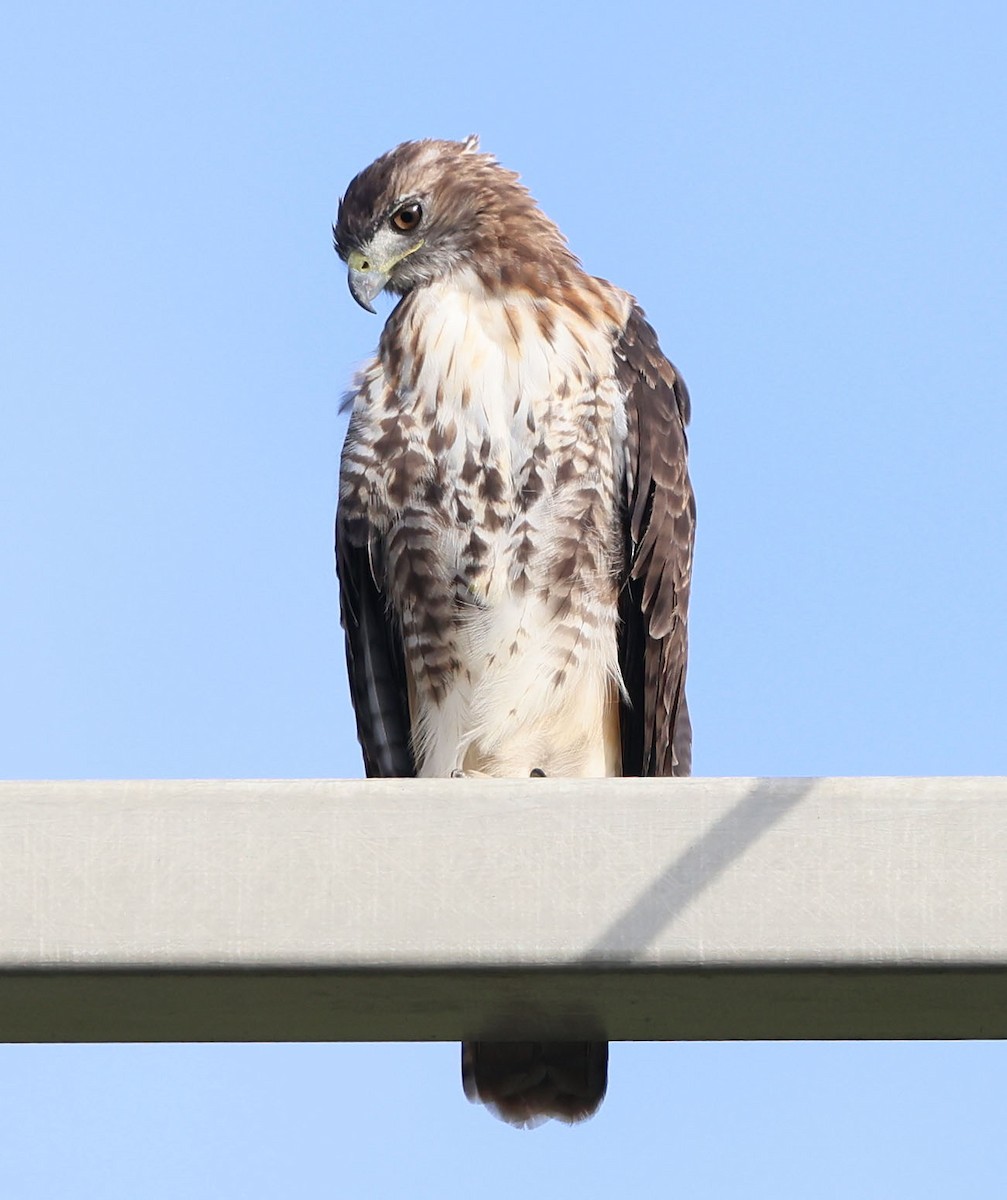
(440,909)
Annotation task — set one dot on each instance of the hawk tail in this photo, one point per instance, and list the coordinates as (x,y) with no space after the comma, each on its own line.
(526,1083)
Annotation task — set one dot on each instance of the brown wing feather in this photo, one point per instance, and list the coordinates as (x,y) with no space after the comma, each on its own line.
(659,520)
(375,662)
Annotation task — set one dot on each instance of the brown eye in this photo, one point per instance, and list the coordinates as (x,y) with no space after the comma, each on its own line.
(407,218)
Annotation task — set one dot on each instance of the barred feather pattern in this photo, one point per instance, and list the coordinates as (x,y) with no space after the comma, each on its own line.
(480,471)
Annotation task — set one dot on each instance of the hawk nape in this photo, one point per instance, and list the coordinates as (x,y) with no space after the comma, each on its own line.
(515,524)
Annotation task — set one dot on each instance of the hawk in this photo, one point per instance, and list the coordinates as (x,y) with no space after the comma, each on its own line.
(515,522)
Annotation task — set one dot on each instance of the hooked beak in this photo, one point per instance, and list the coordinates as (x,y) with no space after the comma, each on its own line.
(370,267)
(365,281)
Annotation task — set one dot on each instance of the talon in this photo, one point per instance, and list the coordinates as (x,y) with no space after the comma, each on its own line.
(537,773)
(457,773)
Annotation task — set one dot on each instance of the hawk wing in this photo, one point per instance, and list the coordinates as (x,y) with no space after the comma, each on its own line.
(374,662)
(659,519)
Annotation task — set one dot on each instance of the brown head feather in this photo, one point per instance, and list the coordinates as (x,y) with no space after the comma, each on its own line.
(476,214)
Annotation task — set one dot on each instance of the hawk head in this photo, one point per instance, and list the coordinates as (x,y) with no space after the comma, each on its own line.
(430,208)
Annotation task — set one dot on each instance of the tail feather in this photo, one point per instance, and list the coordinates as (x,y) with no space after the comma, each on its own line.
(526,1083)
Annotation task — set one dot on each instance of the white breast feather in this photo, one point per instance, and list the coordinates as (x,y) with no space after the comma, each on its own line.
(506,714)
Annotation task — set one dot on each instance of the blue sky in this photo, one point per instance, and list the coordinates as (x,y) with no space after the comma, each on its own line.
(808,200)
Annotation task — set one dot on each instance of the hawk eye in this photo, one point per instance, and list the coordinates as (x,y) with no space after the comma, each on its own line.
(407,218)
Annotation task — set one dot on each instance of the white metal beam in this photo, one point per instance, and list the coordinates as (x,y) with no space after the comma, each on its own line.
(440,909)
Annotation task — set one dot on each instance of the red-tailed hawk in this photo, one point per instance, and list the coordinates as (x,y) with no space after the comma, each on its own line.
(515,524)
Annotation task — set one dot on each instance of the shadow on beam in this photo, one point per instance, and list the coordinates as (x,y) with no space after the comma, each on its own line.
(692,872)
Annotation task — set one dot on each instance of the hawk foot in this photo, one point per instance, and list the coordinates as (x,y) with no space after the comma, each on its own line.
(458,773)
